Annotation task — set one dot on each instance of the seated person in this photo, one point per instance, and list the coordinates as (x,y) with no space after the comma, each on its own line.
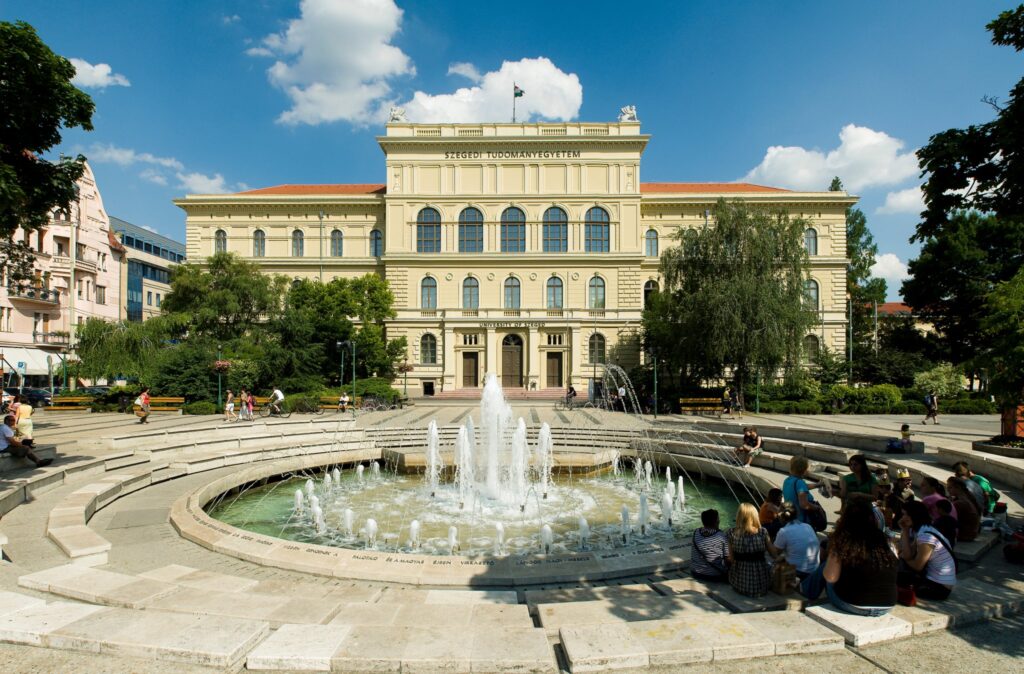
(752,446)
(861,570)
(928,568)
(860,480)
(945,522)
(710,548)
(905,441)
(903,488)
(770,509)
(968,517)
(933,491)
(797,541)
(749,573)
(981,489)
(343,401)
(21,449)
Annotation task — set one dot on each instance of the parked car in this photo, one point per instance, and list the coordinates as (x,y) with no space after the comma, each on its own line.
(89,391)
(36,397)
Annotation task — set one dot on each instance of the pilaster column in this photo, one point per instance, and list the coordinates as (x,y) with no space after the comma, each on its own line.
(533,364)
(490,352)
(449,358)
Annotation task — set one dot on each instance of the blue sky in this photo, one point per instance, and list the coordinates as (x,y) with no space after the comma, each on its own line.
(212,95)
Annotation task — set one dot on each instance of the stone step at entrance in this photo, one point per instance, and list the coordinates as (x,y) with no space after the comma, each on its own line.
(407,649)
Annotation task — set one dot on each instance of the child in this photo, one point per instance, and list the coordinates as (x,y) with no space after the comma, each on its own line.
(945,522)
(905,438)
(769,512)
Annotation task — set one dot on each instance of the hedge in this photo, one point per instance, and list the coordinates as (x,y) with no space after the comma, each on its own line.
(200,407)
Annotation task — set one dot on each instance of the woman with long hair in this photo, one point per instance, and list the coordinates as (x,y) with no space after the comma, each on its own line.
(749,573)
(927,555)
(860,572)
(860,480)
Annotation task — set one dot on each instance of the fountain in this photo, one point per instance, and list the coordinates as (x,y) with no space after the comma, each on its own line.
(499,538)
(371,533)
(359,473)
(666,510)
(349,518)
(434,463)
(298,500)
(337,476)
(583,528)
(414,534)
(309,488)
(547,538)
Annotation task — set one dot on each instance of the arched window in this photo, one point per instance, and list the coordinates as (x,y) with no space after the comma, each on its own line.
(595,295)
(650,288)
(428,293)
(376,243)
(471,293)
(556,230)
(259,243)
(512,293)
(811,241)
(595,231)
(554,293)
(298,243)
(471,231)
(428,231)
(811,350)
(596,352)
(428,349)
(811,293)
(337,243)
(220,241)
(651,243)
(513,231)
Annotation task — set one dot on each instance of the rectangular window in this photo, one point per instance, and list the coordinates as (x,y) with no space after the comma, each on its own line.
(556,239)
(158,299)
(101,295)
(596,238)
(471,238)
(79,289)
(149,297)
(428,238)
(513,238)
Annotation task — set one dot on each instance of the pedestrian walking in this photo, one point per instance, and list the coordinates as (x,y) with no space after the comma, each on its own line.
(229,407)
(931,401)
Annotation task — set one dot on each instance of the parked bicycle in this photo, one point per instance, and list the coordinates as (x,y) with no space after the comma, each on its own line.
(308,407)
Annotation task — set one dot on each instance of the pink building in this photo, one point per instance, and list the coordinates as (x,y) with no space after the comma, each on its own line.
(78,272)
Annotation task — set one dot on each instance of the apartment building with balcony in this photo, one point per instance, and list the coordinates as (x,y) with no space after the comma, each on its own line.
(77,275)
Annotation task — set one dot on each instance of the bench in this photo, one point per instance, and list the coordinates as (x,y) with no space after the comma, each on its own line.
(163,404)
(71,404)
(700,405)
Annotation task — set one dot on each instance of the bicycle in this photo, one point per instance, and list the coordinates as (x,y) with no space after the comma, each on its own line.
(273,410)
(307,407)
(565,404)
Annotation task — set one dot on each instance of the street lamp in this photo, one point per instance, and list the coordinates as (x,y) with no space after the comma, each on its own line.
(405,371)
(352,344)
(654,356)
(220,402)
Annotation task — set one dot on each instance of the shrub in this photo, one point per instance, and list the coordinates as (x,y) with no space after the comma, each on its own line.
(375,386)
(200,407)
(915,407)
(882,395)
(968,406)
(945,379)
(304,401)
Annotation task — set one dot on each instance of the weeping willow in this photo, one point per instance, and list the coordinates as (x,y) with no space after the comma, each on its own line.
(122,348)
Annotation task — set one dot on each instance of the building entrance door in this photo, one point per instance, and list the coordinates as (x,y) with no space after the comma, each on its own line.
(554,369)
(470,369)
(512,361)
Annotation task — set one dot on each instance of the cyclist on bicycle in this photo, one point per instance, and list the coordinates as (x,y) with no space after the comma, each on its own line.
(570,396)
(276,398)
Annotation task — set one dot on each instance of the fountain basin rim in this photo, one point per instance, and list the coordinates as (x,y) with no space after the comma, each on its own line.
(191,522)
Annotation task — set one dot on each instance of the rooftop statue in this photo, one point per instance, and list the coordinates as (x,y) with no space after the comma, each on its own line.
(397,114)
(628,114)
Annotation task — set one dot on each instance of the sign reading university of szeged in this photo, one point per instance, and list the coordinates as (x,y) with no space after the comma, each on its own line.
(513,154)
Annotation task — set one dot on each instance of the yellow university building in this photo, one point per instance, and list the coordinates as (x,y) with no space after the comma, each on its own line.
(526,250)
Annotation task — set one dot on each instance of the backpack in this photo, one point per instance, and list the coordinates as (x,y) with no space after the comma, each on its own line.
(928,400)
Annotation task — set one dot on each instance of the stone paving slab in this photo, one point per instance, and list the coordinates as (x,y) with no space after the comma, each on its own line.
(794,633)
(651,607)
(860,630)
(200,579)
(414,596)
(81,544)
(595,648)
(973,600)
(729,637)
(299,647)
(623,593)
(973,551)
(12,602)
(33,624)
(730,598)
(97,586)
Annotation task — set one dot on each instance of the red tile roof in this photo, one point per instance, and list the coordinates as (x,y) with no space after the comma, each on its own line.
(371,188)
(893,308)
(114,242)
(702,188)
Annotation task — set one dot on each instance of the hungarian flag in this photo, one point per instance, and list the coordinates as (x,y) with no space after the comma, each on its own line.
(517,92)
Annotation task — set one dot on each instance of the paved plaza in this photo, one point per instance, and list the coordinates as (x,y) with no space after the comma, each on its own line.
(105,574)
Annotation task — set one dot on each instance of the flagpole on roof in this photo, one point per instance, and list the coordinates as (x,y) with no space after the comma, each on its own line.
(514,102)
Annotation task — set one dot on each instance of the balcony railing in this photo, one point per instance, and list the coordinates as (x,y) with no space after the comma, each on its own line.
(57,338)
(531,314)
(62,262)
(34,294)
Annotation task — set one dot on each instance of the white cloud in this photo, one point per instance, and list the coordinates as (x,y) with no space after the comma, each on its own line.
(149,229)
(335,61)
(903,201)
(99,76)
(228,20)
(153,176)
(111,154)
(888,266)
(864,158)
(467,70)
(549,94)
(198,183)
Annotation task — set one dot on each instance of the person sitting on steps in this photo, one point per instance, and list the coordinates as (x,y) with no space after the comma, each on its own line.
(710,548)
(21,449)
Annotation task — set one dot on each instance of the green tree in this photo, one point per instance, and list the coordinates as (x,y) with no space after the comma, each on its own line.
(1004,325)
(226,299)
(734,296)
(121,348)
(981,167)
(945,379)
(863,290)
(38,100)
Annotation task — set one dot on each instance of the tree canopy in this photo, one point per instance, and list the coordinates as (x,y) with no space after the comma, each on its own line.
(38,101)
(734,296)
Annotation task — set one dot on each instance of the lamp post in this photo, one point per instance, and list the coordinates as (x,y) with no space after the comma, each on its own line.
(405,371)
(220,402)
(351,344)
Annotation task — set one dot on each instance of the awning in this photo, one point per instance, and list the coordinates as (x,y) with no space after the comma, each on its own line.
(27,360)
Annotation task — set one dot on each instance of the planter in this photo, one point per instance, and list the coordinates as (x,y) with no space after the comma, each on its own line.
(1013,422)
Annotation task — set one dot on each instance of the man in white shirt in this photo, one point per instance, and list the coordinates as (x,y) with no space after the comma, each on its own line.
(276,398)
(798,542)
(16,447)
